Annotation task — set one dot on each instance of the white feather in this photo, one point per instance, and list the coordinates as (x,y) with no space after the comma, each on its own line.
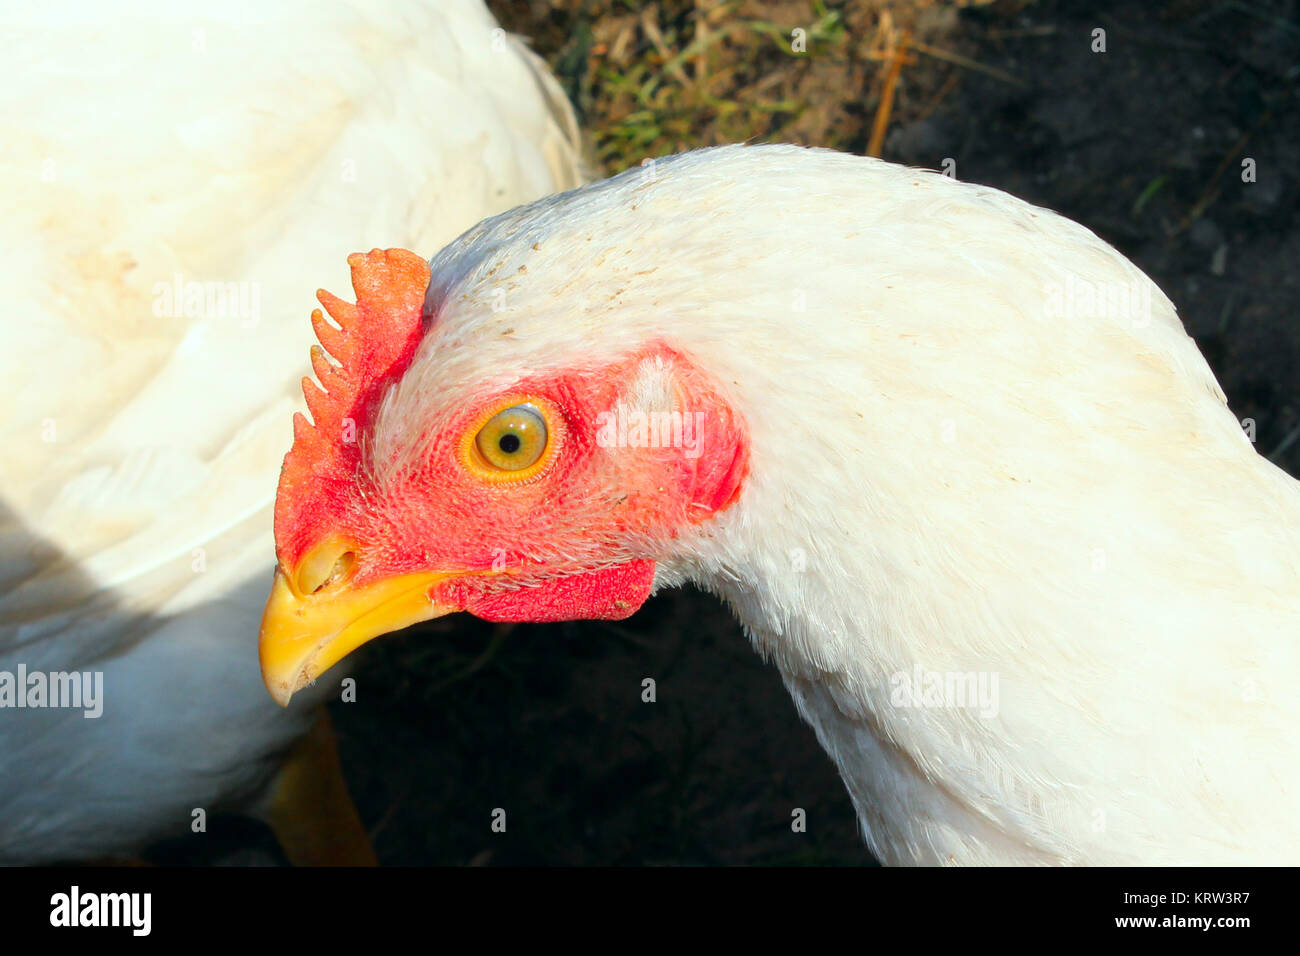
(246,144)
(960,467)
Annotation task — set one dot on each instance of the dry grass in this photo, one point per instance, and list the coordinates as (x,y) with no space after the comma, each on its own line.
(678,74)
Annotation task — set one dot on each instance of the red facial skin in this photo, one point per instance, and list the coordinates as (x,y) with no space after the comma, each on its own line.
(575,540)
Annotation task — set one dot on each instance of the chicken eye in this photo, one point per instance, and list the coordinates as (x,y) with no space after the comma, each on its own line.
(513,439)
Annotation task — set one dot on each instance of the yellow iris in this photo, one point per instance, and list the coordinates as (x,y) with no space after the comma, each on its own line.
(514,439)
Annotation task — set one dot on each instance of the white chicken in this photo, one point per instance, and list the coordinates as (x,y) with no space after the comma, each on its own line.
(177,180)
(951,458)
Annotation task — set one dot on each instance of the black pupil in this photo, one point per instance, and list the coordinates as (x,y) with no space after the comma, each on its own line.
(509,443)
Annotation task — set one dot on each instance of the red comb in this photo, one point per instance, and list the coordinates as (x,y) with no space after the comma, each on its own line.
(373,345)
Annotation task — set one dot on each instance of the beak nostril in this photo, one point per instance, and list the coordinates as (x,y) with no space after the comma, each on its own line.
(323,567)
(340,570)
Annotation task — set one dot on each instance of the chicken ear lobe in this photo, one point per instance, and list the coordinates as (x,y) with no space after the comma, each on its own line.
(712,442)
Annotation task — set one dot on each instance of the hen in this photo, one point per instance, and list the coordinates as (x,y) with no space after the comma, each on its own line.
(952,460)
(175,179)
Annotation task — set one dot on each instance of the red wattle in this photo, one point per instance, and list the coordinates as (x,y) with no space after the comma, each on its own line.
(610,594)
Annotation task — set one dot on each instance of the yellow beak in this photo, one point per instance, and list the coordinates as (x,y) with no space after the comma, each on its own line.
(305,635)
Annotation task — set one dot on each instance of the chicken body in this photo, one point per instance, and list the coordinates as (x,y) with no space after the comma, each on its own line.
(177,181)
(1013,555)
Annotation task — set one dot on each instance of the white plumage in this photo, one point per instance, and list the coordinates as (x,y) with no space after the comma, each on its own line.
(961,466)
(148,148)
